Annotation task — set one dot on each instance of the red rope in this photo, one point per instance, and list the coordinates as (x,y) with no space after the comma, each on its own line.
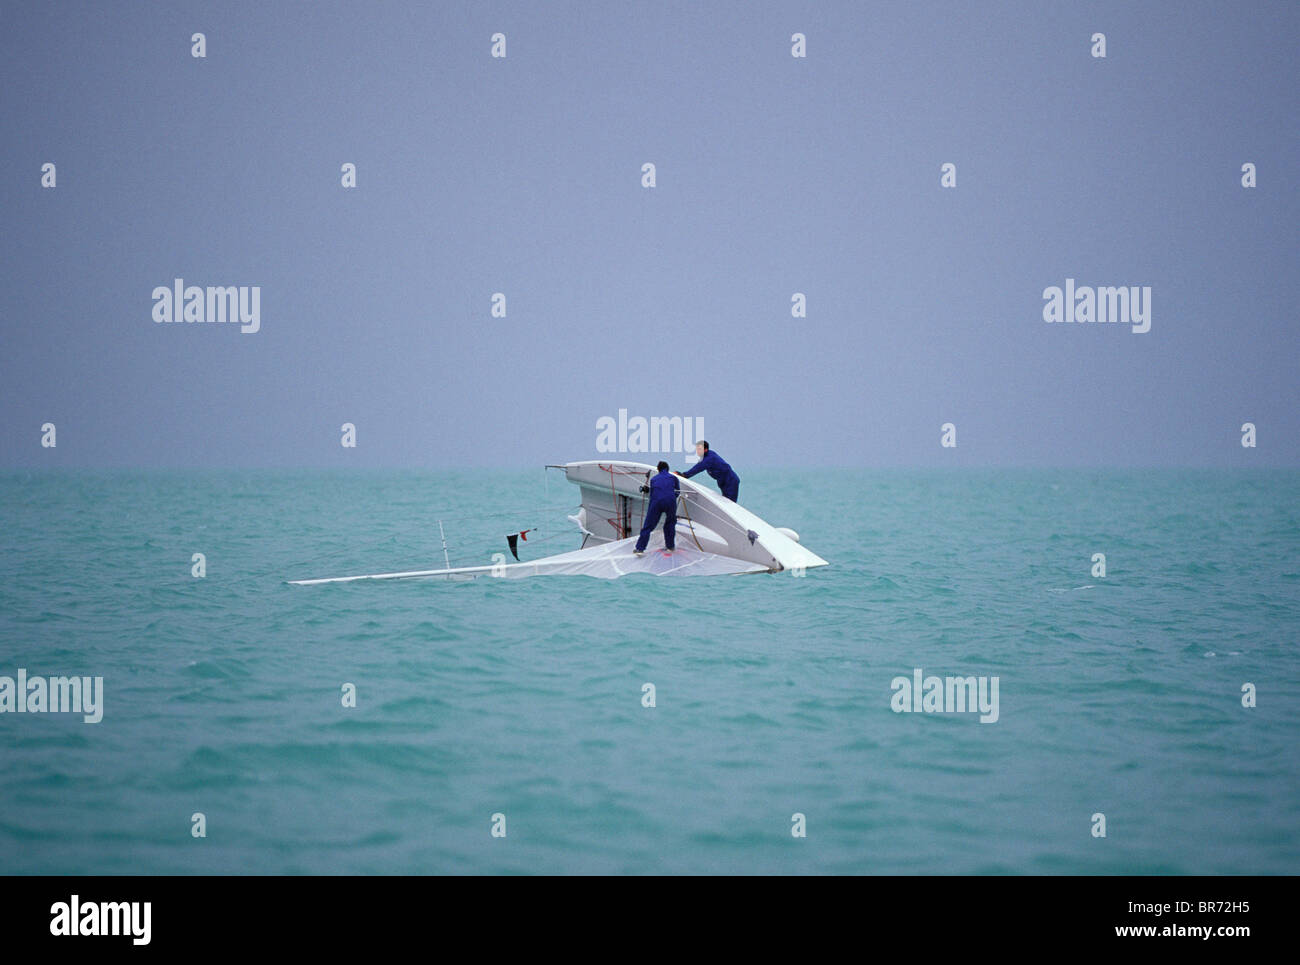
(612,468)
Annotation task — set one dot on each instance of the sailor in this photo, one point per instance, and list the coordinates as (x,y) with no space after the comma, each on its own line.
(663,490)
(713,464)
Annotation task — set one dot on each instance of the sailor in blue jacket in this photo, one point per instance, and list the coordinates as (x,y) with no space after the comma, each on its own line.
(663,490)
(712,463)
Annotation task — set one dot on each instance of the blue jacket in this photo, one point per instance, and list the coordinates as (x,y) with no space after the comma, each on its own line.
(712,464)
(664,488)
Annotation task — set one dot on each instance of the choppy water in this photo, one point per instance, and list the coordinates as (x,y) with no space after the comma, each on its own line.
(1119,695)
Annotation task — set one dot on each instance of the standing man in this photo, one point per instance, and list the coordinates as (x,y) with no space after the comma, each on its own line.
(723,474)
(663,491)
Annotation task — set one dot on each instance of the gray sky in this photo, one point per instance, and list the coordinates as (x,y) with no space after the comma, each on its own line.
(775,175)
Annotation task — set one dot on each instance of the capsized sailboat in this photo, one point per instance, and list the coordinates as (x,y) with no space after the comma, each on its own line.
(715,536)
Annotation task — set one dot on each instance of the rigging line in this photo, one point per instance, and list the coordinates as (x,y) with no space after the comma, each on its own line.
(559,507)
(462,558)
(690,525)
(320,557)
(361,547)
(618,527)
(621,469)
(547,539)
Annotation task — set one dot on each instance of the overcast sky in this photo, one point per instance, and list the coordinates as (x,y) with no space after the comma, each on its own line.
(775,175)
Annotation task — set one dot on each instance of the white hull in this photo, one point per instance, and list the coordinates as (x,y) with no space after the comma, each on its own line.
(714,536)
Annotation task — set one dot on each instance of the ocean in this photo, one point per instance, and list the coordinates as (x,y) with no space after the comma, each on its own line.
(773,745)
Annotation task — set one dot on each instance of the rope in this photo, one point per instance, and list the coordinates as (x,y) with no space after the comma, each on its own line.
(689,523)
(566,507)
(350,548)
(617,525)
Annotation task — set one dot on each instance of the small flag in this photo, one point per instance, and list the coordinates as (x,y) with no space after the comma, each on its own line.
(514,538)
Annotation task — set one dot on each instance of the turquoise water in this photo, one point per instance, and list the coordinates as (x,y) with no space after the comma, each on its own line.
(1119,695)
